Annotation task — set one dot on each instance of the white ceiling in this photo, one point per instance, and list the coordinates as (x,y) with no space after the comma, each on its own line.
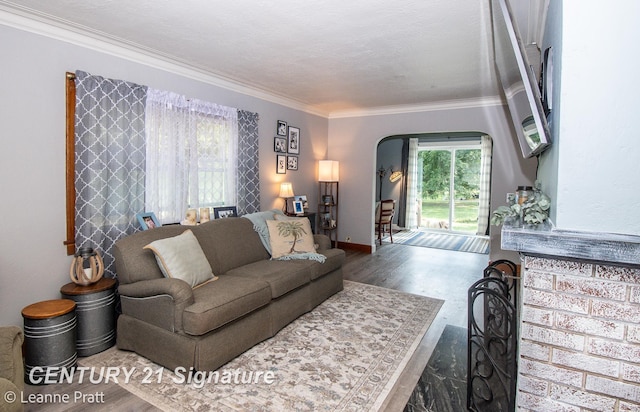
(331,56)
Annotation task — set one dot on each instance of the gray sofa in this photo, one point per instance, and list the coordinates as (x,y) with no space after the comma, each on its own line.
(11,367)
(173,324)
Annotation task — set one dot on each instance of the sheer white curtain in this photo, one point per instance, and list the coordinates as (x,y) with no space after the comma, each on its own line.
(191,154)
(411,218)
(486,145)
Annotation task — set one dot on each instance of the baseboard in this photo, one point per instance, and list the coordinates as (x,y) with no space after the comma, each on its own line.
(355,246)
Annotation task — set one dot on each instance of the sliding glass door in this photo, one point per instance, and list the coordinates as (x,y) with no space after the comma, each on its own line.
(450,186)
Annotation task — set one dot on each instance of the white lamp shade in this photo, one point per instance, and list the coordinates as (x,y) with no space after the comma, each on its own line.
(286,189)
(328,171)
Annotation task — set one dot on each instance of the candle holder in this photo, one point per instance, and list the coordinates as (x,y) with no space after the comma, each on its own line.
(87,267)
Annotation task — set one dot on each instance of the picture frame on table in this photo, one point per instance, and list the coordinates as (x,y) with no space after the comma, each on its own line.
(148,220)
(303,199)
(292,162)
(223,212)
(298,207)
(281,128)
(280,144)
(294,140)
(281,164)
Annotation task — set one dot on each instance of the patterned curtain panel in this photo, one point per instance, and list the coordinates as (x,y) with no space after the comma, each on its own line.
(486,145)
(110,162)
(248,174)
(414,205)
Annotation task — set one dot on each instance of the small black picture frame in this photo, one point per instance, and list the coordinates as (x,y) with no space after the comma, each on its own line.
(292,162)
(281,128)
(280,144)
(224,212)
(281,164)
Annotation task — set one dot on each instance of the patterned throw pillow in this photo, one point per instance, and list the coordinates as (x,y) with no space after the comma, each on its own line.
(181,257)
(290,236)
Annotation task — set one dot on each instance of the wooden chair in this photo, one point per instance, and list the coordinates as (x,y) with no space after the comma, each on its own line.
(384,216)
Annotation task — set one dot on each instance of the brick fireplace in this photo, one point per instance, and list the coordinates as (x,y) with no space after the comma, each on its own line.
(579,343)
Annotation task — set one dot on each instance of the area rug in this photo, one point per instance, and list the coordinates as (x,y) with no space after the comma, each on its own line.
(345,355)
(449,241)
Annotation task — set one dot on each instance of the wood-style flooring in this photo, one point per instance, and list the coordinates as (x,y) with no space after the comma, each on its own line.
(436,273)
(430,272)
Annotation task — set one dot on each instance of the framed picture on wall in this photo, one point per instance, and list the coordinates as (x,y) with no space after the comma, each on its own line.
(282,128)
(281,164)
(280,144)
(292,162)
(294,140)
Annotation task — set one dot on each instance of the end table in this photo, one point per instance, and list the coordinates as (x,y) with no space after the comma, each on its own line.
(95,308)
(49,338)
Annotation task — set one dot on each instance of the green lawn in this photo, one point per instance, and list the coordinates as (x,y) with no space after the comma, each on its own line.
(466,213)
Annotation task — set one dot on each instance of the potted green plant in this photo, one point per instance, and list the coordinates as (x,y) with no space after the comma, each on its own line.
(533,212)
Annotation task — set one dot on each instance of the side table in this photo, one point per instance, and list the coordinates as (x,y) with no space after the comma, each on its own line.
(95,308)
(49,336)
(310,215)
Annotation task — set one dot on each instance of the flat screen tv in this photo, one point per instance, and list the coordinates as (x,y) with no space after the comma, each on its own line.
(518,82)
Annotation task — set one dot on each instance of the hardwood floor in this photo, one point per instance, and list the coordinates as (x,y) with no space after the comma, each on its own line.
(429,272)
(436,273)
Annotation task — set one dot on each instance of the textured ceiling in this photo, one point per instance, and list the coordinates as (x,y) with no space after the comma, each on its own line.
(329,55)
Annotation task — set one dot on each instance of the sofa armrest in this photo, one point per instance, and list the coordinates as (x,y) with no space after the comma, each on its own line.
(11,364)
(159,302)
(322,241)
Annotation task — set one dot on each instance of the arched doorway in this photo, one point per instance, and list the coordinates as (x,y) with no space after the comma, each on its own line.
(445,181)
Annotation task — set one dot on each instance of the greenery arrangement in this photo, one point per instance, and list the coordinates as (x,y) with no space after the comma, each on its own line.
(534,211)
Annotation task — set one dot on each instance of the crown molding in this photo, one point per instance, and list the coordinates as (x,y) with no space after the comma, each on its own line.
(29,20)
(418,108)
(42,24)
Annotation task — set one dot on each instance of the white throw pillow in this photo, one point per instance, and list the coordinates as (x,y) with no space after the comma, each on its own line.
(181,257)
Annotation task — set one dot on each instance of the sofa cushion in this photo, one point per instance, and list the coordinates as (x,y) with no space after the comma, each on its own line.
(181,257)
(282,276)
(335,260)
(223,301)
(292,236)
(230,243)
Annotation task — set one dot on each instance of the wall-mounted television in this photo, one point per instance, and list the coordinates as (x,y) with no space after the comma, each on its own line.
(518,82)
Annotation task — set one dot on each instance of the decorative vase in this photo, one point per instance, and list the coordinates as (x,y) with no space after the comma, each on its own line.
(87,267)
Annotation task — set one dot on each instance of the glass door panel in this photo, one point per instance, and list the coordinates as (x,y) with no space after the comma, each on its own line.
(436,188)
(466,189)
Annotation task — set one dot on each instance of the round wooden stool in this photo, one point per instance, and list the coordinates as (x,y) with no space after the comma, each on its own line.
(50,338)
(95,308)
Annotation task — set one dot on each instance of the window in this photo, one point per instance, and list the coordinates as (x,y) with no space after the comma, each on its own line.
(191,155)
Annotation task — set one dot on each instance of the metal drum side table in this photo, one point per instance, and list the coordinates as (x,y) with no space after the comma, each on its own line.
(50,339)
(95,308)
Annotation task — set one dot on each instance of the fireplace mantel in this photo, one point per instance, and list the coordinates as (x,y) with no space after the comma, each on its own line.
(591,246)
(579,332)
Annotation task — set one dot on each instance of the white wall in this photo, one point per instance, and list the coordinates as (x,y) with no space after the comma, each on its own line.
(353,142)
(33,260)
(389,154)
(597,145)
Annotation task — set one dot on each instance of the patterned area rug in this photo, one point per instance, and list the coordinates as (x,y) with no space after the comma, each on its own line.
(345,355)
(449,241)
